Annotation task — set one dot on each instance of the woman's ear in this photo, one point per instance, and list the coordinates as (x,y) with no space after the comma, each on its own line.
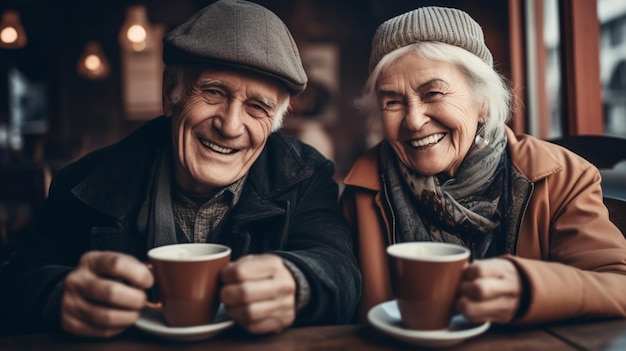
(482,117)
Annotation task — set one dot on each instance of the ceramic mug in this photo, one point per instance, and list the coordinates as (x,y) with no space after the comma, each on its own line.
(425,277)
(187,281)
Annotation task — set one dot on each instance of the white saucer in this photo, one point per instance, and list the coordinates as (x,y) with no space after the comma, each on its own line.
(386,318)
(152,322)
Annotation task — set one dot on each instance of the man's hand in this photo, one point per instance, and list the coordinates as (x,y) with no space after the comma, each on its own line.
(259,293)
(490,290)
(104,294)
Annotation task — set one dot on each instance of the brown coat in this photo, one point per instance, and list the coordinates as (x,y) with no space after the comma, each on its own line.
(571,254)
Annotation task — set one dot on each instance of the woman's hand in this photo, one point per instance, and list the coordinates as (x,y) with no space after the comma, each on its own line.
(259,293)
(490,291)
(104,294)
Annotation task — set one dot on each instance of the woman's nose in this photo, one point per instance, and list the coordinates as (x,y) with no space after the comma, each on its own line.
(416,116)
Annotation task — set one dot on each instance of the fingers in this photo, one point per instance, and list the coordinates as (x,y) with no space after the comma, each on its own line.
(485,279)
(268,316)
(500,310)
(109,278)
(249,291)
(252,267)
(487,268)
(118,266)
(87,319)
(259,293)
(104,294)
(104,291)
(490,291)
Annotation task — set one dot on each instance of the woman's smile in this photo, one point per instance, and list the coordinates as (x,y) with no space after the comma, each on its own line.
(427,141)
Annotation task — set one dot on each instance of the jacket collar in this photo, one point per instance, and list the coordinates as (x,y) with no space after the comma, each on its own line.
(128,168)
(365,172)
(532,159)
(542,163)
(278,168)
(121,179)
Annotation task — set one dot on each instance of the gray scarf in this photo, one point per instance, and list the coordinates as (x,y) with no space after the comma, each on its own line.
(466,210)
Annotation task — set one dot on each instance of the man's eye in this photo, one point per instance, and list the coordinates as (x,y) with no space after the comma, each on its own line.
(214,96)
(212,92)
(256,110)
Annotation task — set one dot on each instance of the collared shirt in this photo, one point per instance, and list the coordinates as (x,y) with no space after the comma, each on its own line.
(200,218)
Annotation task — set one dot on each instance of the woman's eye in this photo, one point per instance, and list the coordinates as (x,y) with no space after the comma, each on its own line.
(432,94)
(392,105)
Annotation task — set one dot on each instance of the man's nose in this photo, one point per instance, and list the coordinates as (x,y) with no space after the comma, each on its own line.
(230,121)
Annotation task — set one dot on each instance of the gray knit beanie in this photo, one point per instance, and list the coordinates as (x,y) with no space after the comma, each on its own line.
(440,24)
(238,34)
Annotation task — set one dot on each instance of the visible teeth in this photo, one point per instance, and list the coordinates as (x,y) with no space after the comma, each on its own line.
(432,139)
(216,148)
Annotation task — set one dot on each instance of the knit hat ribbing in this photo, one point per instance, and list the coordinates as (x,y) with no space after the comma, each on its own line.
(440,24)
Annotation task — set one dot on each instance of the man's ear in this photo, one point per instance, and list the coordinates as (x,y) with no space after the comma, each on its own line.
(167,106)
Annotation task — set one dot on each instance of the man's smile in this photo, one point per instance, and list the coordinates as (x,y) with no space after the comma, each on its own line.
(217,148)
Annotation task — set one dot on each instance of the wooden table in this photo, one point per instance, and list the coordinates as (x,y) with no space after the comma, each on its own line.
(599,335)
(604,335)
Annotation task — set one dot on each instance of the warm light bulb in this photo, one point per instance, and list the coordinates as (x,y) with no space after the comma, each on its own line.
(136,33)
(12,34)
(92,62)
(8,35)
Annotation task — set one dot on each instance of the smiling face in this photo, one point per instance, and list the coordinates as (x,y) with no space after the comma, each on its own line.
(429,114)
(220,127)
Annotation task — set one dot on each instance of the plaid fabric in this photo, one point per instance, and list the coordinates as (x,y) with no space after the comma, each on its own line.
(200,217)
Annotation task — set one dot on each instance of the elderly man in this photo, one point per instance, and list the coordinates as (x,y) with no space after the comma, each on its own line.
(211,170)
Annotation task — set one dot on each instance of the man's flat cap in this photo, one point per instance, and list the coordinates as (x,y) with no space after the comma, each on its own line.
(238,34)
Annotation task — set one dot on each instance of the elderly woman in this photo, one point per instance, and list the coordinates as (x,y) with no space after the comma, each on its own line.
(450,170)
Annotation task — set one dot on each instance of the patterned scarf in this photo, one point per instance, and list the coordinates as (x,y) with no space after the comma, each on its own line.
(467,209)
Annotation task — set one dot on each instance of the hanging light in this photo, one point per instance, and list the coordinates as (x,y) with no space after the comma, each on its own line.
(12,34)
(92,63)
(135,32)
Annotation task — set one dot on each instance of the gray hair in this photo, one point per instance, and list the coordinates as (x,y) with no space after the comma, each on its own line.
(179,80)
(486,85)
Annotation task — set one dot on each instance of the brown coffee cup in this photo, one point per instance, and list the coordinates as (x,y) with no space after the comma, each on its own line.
(187,281)
(425,277)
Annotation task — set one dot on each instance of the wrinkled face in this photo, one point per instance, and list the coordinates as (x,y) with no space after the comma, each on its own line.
(220,128)
(429,115)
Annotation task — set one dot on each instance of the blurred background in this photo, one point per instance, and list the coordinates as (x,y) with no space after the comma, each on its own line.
(79,75)
(55,107)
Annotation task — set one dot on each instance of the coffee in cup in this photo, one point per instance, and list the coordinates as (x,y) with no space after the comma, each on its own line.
(187,281)
(425,277)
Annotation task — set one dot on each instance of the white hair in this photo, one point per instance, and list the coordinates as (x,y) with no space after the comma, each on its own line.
(486,85)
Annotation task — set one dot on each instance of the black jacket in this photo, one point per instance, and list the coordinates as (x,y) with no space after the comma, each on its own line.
(288,207)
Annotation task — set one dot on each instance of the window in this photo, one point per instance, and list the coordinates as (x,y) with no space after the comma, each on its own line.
(612,18)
